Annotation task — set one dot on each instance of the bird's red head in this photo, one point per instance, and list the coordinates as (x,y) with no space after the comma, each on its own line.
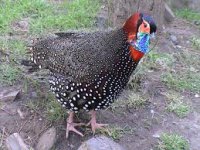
(138,28)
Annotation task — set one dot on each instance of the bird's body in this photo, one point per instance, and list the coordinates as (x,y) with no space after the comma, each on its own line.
(89,70)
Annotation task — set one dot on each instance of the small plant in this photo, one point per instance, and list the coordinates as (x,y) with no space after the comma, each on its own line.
(130,100)
(116,132)
(176,104)
(9,74)
(185,81)
(188,14)
(179,108)
(172,142)
(44,15)
(196,42)
(54,110)
(156,59)
(14,48)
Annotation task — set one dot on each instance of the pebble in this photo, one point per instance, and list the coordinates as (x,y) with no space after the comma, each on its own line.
(100,143)
(157,134)
(178,46)
(197,95)
(174,39)
(47,140)
(197,22)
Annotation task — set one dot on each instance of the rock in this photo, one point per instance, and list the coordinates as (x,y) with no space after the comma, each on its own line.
(15,142)
(174,39)
(157,134)
(9,94)
(178,46)
(197,22)
(100,143)
(197,96)
(47,140)
(188,42)
(168,14)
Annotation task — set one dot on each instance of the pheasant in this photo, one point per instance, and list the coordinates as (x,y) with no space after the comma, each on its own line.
(88,71)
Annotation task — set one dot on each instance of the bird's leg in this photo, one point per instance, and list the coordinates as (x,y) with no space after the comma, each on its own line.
(71,125)
(93,123)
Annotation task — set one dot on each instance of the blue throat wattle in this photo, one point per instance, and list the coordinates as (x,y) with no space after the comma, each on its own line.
(142,42)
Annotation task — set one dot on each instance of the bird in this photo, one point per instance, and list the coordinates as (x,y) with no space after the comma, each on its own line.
(89,70)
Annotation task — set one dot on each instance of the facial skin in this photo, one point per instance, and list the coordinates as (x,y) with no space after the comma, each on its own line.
(144,27)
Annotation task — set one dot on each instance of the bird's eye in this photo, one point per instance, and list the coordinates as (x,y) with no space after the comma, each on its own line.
(145,25)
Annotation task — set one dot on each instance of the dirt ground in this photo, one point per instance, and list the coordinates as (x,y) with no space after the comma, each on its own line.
(146,122)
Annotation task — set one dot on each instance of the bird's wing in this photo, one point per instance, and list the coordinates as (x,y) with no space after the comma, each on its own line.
(81,58)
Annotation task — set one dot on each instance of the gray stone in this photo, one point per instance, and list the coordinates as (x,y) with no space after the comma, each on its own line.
(174,39)
(47,140)
(157,134)
(168,14)
(100,143)
(15,142)
(197,22)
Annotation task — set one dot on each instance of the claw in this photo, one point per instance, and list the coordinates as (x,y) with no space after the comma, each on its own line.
(94,124)
(71,125)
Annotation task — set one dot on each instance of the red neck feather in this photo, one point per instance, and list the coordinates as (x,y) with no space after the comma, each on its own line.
(130,27)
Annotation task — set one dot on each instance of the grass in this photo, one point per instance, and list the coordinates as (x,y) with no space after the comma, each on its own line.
(186,81)
(196,42)
(176,104)
(154,60)
(14,48)
(130,100)
(9,74)
(184,74)
(116,132)
(52,109)
(188,14)
(43,15)
(173,142)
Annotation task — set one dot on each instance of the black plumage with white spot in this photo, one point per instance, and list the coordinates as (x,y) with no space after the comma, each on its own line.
(88,70)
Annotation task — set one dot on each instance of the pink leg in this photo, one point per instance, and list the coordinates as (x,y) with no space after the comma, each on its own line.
(93,122)
(71,125)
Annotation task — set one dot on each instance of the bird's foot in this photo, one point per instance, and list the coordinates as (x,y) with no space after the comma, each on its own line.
(94,124)
(71,125)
